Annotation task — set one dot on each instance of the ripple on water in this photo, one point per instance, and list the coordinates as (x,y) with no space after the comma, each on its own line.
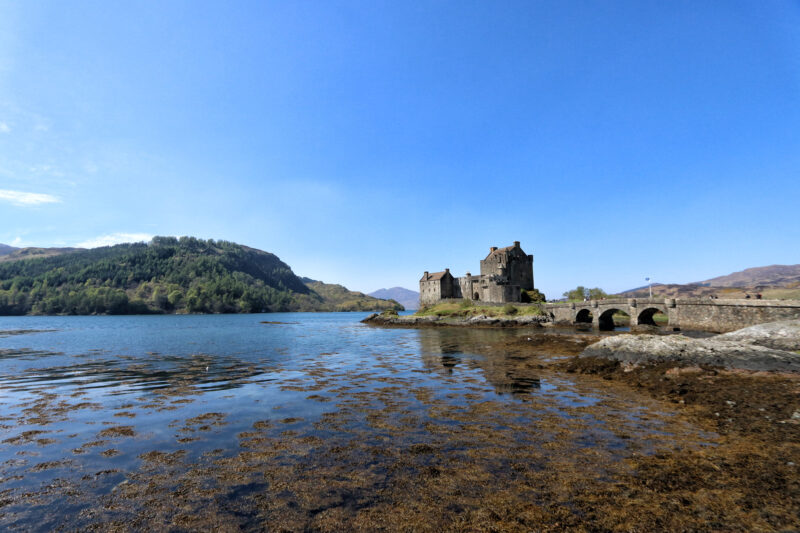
(304,424)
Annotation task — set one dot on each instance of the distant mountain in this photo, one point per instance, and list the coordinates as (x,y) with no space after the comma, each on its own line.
(772,276)
(409,299)
(776,281)
(343,299)
(6,249)
(30,253)
(167,275)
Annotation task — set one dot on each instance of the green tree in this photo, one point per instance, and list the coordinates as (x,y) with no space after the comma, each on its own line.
(578,293)
(533,295)
(597,294)
(160,299)
(581,292)
(175,298)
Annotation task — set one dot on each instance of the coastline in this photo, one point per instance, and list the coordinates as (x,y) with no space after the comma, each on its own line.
(436,428)
(479,321)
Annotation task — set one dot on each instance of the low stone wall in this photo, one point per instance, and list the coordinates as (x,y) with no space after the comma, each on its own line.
(730,315)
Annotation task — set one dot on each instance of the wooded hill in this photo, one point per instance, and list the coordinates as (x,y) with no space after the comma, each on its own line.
(167,275)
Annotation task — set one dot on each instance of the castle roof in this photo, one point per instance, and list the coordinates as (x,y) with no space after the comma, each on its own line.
(505,250)
(434,276)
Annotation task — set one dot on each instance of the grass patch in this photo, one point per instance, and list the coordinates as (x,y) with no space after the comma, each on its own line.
(467,309)
(781,294)
(621,319)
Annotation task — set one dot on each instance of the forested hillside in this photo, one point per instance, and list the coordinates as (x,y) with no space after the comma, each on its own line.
(340,298)
(167,275)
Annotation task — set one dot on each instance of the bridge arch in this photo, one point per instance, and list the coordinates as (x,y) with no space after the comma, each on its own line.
(606,319)
(584,316)
(645,316)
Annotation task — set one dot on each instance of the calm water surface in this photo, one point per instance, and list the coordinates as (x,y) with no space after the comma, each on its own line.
(90,406)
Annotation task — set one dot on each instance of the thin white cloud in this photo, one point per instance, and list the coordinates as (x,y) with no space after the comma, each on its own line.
(17,241)
(5,128)
(114,238)
(27,198)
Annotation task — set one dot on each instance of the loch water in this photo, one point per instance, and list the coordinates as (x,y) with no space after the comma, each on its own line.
(227,414)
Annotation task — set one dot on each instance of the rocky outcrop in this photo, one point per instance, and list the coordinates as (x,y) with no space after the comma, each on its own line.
(413,321)
(768,347)
(783,335)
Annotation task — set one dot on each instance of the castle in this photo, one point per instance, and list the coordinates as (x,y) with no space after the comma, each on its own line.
(505,273)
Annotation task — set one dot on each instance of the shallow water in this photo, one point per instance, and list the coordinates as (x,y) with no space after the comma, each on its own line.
(311,417)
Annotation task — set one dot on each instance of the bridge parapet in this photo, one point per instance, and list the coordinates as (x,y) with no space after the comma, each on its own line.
(615,301)
(718,315)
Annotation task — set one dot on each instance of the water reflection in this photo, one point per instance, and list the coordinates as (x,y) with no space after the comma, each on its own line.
(120,421)
(444,349)
(130,374)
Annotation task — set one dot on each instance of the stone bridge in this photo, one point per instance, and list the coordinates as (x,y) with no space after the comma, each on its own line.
(683,313)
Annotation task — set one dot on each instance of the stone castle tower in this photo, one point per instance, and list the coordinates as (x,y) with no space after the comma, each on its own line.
(505,273)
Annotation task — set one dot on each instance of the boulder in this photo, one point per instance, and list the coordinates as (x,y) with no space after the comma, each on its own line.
(782,335)
(750,350)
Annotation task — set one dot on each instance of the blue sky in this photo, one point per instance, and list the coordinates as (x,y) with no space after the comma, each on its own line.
(365,142)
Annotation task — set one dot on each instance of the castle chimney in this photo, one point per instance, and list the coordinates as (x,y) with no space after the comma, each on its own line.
(447,270)
(468,274)
(516,244)
(492,249)
(426,274)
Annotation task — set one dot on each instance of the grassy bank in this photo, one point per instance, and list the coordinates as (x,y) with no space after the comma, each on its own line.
(469,309)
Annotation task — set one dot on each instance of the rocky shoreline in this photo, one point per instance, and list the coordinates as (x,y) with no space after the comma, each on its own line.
(771,347)
(741,388)
(413,321)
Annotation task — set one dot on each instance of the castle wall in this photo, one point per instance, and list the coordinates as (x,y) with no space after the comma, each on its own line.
(502,293)
(465,287)
(520,271)
(447,287)
(493,265)
(432,291)
(429,292)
